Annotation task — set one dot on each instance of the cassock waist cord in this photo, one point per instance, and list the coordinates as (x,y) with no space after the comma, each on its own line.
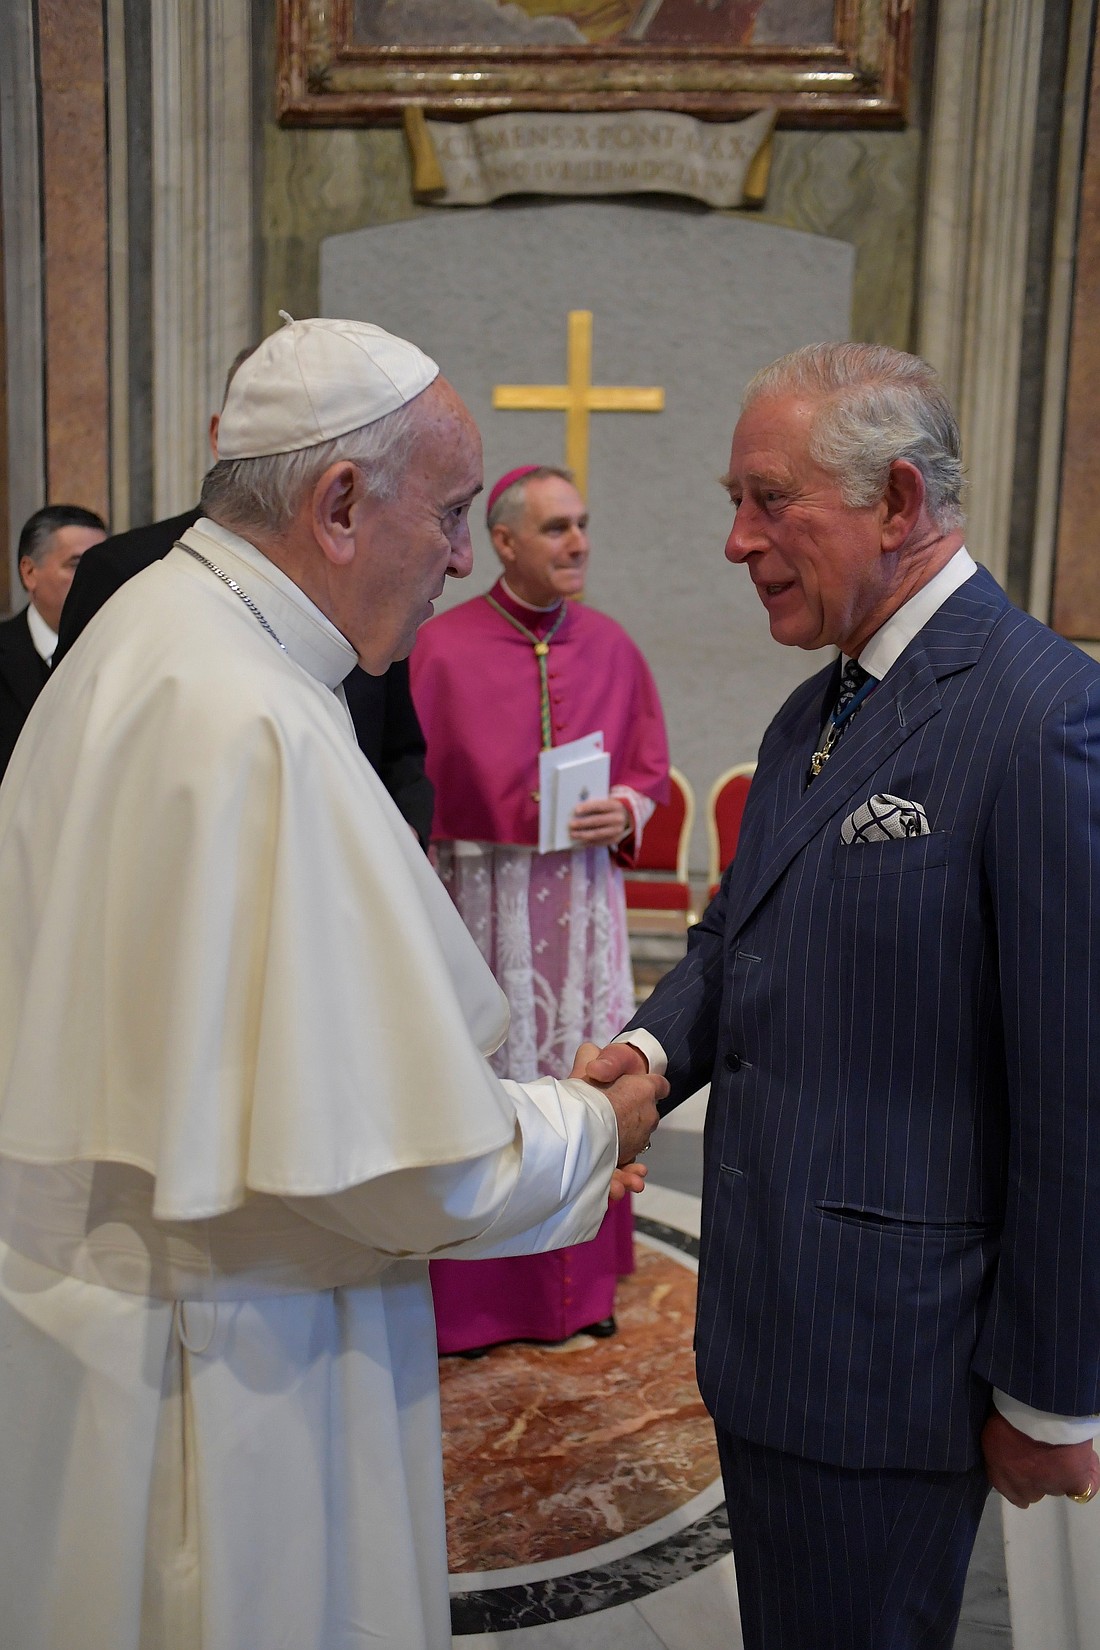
(541,645)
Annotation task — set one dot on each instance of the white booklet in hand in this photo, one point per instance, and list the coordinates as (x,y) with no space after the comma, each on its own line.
(569,774)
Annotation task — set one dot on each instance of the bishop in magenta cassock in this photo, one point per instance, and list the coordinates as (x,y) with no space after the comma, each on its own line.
(552,926)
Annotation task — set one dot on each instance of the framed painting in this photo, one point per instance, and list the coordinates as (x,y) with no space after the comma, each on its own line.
(816,62)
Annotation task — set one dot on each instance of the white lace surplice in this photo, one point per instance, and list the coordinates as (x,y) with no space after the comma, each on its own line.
(552,928)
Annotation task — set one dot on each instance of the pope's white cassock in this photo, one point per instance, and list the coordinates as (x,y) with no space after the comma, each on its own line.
(242,1031)
(1052,1552)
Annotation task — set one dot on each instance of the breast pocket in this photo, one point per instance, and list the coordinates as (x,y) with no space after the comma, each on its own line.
(896,918)
(901,856)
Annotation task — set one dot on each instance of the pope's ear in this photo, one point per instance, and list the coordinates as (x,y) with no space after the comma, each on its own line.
(902,503)
(336,500)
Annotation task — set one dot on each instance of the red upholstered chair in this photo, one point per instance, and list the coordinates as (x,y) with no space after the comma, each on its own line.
(725,806)
(658,894)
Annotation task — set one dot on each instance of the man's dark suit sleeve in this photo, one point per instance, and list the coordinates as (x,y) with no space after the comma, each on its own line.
(93,583)
(23,675)
(401,763)
(10,730)
(682,1012)
(390,737)
(1041,1341)
(106,567)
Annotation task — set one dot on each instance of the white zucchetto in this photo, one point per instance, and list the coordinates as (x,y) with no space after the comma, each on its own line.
(313,380)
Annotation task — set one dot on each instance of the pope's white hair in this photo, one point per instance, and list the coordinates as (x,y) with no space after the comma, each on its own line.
(264,493)
(876,405)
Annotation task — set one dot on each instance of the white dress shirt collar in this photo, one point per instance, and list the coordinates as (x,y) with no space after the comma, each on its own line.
(530,606)
(891,639)
(44,639)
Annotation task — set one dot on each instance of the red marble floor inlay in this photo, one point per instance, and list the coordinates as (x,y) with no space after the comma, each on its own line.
(549,1451)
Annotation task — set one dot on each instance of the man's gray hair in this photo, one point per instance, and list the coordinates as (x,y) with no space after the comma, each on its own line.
(264,493)
(877,405)
(508,506)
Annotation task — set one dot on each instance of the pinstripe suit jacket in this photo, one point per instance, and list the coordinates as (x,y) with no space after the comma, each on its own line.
(899,1159)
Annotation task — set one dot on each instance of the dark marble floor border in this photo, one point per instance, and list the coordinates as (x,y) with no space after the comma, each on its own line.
(671,1235)
(536,1603)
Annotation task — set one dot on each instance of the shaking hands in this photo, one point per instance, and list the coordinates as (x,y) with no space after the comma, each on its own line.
(623,1075)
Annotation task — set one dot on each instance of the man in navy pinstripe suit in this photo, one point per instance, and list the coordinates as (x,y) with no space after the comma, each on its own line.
(893,996)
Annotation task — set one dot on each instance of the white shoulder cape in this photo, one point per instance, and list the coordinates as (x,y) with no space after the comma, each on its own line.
(223,956)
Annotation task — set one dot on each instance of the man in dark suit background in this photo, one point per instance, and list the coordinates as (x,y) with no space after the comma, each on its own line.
(51,545)
(381,707)
(894,998)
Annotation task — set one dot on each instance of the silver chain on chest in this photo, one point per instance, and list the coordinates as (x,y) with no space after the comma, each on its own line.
(237,591)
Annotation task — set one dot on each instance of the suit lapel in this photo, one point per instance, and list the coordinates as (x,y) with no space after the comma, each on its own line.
(951,641)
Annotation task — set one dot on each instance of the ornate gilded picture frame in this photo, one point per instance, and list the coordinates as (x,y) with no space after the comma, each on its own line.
(817,62)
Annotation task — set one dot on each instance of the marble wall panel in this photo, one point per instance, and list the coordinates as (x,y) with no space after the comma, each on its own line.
(20,186)
(863,188)
(1076,607)
(317,184)
(202,293)
(74,197)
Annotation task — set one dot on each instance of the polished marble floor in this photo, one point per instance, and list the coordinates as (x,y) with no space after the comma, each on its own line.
(584,1506)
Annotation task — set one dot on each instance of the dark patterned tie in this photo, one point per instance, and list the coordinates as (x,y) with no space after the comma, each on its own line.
(853,679)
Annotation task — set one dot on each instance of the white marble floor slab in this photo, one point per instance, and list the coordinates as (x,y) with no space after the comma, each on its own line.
(690,1115)
(698,1613)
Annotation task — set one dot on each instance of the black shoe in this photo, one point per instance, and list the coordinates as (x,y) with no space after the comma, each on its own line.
(601,1331)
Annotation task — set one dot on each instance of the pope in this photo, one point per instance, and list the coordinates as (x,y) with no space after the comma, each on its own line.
(243,1079)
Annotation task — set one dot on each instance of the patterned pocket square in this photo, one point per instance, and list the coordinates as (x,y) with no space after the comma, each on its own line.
(883,818)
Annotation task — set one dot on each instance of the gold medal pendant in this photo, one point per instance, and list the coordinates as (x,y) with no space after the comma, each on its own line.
(820,757)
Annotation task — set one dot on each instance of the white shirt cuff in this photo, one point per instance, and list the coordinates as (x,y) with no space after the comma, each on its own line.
(648,1045)
(1046,1429)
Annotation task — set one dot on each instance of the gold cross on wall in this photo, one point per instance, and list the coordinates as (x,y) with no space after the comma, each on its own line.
(577,398)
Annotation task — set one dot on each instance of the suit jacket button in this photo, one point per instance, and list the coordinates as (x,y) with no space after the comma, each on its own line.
(733,1061)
